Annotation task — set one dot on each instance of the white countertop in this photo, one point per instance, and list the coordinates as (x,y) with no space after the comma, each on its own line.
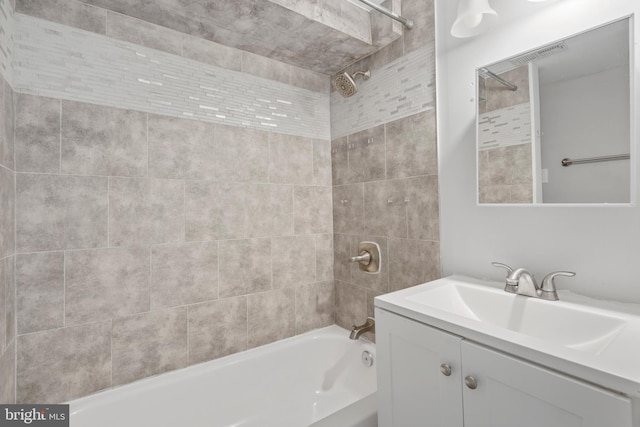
(616,366)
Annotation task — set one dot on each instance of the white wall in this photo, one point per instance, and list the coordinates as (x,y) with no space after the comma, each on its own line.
(600,243)
(586,117)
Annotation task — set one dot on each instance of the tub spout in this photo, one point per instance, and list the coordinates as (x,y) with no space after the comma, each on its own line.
(369,325)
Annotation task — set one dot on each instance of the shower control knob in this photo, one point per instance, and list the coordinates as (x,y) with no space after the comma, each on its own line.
(445,369)
(471,382)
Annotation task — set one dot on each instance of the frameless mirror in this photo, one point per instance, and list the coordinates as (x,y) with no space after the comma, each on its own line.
(553,124)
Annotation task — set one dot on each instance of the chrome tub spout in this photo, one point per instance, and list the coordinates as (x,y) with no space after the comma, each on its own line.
(356,331)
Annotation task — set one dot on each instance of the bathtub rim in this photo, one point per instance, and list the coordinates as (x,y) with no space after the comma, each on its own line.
(166,378)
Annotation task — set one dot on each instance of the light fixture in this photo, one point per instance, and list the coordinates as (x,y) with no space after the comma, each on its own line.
(474,16)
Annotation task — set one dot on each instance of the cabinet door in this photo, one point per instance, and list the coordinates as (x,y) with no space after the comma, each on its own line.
(412,390)
(514,393)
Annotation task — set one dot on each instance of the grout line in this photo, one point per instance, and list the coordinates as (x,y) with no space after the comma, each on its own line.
(188,342)
(111,350)
(64,289)
(108,212)
(60,136)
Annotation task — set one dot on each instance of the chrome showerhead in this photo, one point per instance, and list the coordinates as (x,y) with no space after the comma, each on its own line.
(345,84)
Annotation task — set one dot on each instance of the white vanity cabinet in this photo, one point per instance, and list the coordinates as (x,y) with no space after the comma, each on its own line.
(413,389)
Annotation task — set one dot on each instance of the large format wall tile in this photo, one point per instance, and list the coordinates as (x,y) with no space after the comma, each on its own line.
(324,257)
(211,53)
(290,159)
(106,283)
(10,303)
(264,67)
(145,211)
(341,252)
(183,273)
(149,344)
(181,148)
(56,212)
(140,32)
(271,316)
(385,208)
(3,307)
(37,134)
(423,208)
(40,291)
(8,375)
(412,262)
(98,140)
(241,154)
(7,125)
(7,212)
(312,210)
(294,260)
(217,329)
(71,13)
(321,162)
(245,267)
(411,146)
(314,306)
(348,209)
(214,211)
(351,305)
(366,150)
(268,210)
(63,364)
(340,161)
(421,11)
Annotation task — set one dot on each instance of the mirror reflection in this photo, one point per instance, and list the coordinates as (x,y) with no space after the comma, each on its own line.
(553,124)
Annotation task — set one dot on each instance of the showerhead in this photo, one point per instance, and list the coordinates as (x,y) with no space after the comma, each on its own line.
(345,84)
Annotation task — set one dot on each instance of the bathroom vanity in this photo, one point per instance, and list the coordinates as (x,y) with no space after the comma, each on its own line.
(462,352)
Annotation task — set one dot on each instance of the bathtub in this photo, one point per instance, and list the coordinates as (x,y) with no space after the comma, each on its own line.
(317,378)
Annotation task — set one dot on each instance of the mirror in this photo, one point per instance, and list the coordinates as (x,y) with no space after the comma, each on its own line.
(553,124)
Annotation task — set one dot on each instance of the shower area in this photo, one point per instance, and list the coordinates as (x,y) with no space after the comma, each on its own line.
(184,180)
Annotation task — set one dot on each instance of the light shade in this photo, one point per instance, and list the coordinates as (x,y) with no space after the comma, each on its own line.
(474,16)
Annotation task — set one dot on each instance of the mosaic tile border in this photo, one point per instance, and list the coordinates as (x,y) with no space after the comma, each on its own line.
(505,127)
(400,89)
(58,61)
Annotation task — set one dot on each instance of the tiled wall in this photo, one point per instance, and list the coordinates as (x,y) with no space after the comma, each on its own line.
(7,211)
(385,183)
(504,140)
(403,87)
(146,243)
(147,240)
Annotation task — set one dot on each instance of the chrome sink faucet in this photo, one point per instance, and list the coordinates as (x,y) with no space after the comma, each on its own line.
(522,282)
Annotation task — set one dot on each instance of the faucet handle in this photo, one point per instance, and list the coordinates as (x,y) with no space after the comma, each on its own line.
(501,265)
(548,288)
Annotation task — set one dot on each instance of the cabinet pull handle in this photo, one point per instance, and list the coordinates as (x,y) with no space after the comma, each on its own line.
(471,382)
(445,369)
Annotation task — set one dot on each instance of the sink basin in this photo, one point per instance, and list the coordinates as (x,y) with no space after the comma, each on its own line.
(594,340)
(570,325)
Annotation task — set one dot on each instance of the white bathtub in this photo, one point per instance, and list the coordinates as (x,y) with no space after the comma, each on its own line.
(291,383)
